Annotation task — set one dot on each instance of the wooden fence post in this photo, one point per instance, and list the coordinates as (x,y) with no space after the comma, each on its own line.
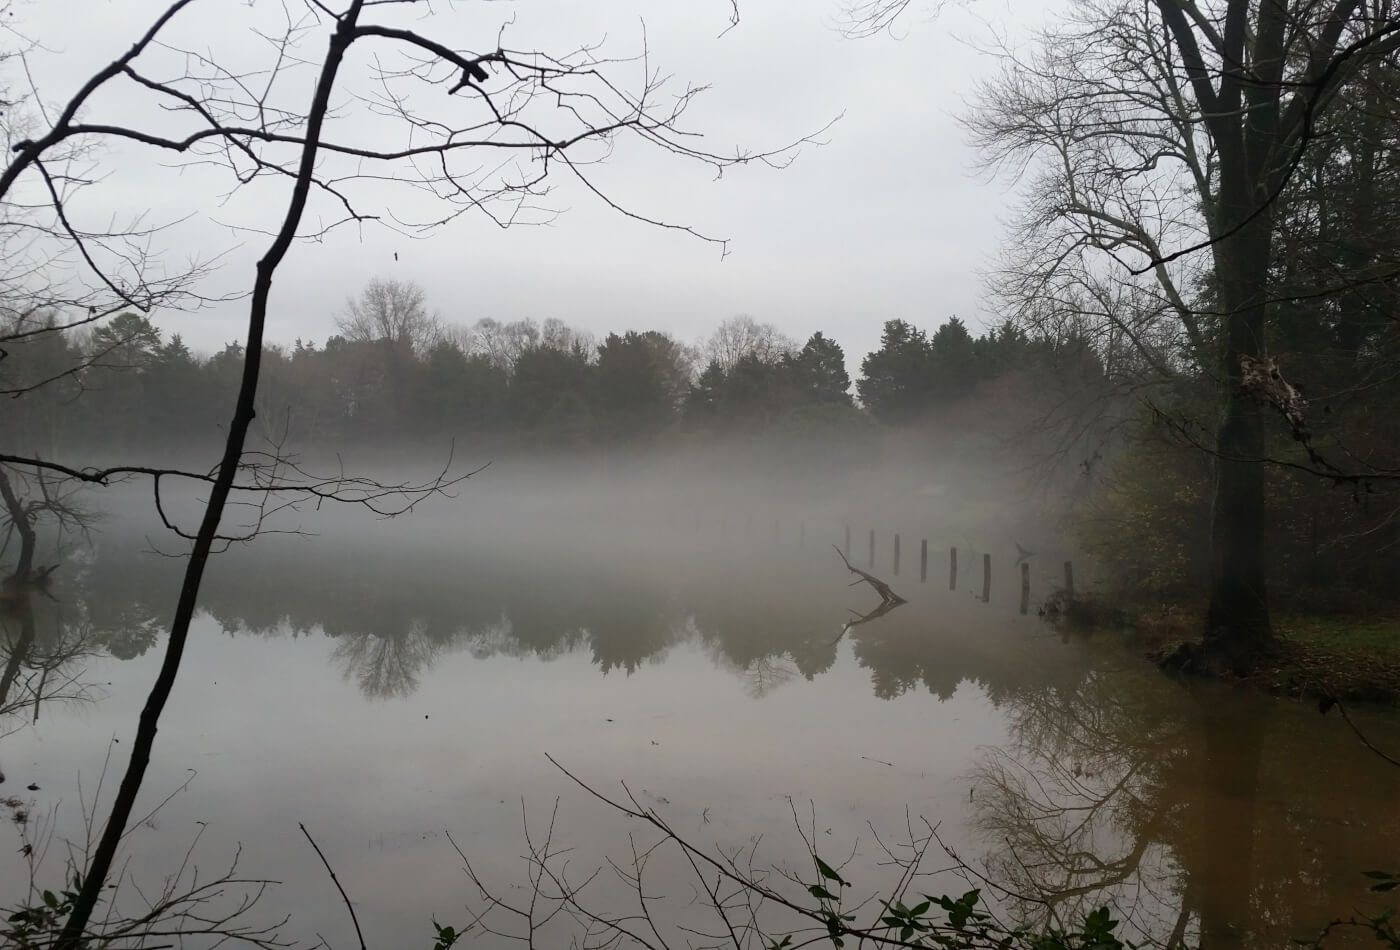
(923,561)
(952,568)
(1025,587)
(896,554)
(871,565)
(847,550)
(986,578)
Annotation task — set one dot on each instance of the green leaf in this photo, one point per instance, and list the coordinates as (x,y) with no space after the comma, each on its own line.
(906,932)
(921,909)
(821,893)
(892,921)
(1378,875)
(50,898)
(828,872)
(1385,886)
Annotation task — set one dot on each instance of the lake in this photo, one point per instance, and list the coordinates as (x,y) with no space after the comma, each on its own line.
(391,686)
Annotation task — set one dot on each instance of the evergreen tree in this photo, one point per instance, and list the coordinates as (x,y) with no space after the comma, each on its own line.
(895,379)
(818,372)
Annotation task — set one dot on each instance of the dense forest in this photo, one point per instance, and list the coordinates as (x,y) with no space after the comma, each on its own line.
(397,374)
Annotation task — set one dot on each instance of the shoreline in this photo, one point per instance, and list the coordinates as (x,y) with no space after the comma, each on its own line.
(1323,658)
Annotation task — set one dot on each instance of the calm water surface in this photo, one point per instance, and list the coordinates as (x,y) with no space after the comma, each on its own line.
(386,693)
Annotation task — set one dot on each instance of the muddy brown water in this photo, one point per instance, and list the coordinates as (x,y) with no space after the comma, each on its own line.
(390,695)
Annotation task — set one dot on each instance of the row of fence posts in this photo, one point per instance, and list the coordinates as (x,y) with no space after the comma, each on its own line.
(923,560)
(953,568)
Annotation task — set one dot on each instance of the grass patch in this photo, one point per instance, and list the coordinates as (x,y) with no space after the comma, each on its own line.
(1353,659)
(1358,637)
(1349,658)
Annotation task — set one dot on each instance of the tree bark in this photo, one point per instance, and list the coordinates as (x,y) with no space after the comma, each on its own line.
(1238,629)
(1243,116)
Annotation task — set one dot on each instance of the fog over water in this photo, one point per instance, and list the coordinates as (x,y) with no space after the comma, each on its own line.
(693,635)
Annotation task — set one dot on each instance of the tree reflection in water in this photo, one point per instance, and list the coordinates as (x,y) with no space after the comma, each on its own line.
(386,666)
(1126,788)
(42,654)
(1203,815)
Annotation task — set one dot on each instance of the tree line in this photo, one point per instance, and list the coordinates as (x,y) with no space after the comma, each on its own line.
(394,371)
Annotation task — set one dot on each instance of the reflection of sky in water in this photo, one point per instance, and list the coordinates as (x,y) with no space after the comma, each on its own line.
(279,736)
(448,679)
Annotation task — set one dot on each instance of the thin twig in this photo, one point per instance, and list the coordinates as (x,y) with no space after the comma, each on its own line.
(336,881)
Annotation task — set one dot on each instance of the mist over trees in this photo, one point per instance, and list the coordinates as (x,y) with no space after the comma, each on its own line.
(399,372)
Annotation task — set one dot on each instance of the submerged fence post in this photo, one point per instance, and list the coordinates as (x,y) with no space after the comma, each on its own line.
(896,555)
(872,549)
(847,550)
(952,568)
(986,578)
(1069,579)
(923,561)
(1025,587)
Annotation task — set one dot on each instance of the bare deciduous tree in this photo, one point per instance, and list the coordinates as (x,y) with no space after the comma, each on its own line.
(743,336)
(437,109)
(1158,140)
(391,311)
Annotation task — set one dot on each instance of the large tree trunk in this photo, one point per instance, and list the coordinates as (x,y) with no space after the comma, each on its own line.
(1238,632)
(1244,118)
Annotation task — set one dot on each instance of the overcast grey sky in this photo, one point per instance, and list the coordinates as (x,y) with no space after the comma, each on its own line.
(888,219)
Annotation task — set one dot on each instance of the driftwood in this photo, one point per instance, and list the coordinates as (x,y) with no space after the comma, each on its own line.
(884,607)
(889,600)
(887,596)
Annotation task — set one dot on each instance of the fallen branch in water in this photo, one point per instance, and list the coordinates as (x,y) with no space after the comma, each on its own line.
(888,598)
